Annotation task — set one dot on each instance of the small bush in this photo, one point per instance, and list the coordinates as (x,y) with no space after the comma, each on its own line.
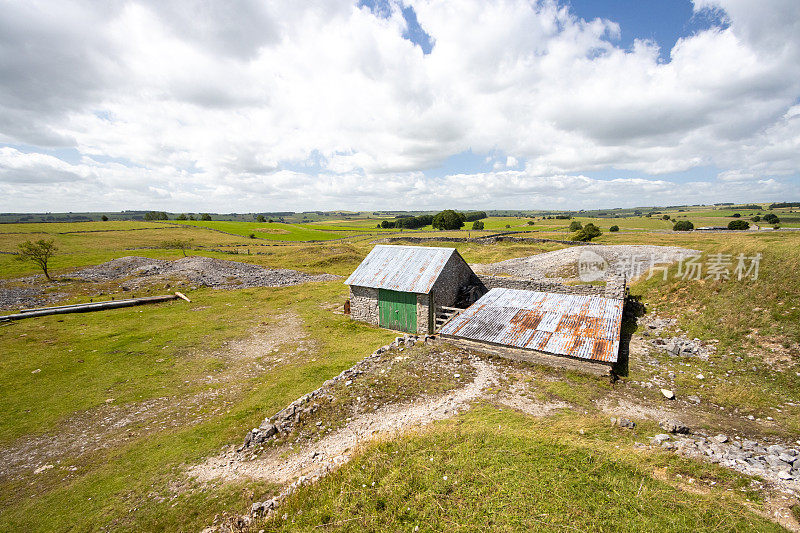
(205,216)
(478,225)
(738,225)
(252,235)
(261,218)
(736,215)
(105,218)
(531,222)
(508,226)
(665,217)
(587,233)
(683,225)
(614,228)
(575,225)
(756,218)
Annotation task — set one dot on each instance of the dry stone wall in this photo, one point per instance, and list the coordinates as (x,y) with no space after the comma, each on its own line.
(364,304)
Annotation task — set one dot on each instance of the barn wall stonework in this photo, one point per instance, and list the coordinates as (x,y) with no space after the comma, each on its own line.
(364,304)
(423,314)
(456,273)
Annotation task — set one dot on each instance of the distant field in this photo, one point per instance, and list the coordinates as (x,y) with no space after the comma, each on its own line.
(274,231)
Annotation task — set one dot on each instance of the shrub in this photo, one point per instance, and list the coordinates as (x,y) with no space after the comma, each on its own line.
(771,218)
(665,217)
(448,219)
(105,218)
(531,222)
(575,225)
(177,244)
(738,224)
(252,235)
(683,225)
(614,228)
(587,233)
(756,218)
(508,226)
(477,225)
(736,215)
(205,216)
(260,218)
(182,216)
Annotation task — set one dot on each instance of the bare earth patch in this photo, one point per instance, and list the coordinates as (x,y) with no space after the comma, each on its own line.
(109,424)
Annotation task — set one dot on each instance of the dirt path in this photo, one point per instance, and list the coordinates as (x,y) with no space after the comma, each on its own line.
(108,425)
(284,464)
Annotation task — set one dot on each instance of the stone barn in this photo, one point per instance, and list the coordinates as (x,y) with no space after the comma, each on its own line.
(400,287)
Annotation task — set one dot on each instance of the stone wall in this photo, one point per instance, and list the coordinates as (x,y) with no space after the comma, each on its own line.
(491,239)
(424,315)
(364,304)
(614,288)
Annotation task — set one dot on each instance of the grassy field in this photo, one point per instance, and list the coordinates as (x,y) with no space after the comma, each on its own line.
(192,378)
(497,470)
(274,231)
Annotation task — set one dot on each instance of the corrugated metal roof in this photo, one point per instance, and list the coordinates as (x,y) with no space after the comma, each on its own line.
(565,324)
(401,268)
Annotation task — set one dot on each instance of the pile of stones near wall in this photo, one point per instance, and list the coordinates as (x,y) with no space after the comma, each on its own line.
(284,421)
(683,346)
(614,288)
(774,463)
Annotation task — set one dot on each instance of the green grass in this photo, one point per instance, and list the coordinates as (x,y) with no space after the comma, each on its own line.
(501,471)
(274,231)
(141,354)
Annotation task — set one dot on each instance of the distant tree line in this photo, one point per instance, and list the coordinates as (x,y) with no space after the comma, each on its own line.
(445,220)
(156,215)
(784,204)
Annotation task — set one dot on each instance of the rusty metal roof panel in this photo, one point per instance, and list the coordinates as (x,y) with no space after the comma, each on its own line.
(401,268)
(587,327)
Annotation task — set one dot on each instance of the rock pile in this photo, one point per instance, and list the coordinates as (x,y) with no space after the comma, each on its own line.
(684,347)
(285,420)
(774,463)
(204,271)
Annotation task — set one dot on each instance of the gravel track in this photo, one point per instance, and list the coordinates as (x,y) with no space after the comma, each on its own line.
(561,265)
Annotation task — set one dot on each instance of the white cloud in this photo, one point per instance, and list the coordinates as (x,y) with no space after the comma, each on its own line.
(256,106)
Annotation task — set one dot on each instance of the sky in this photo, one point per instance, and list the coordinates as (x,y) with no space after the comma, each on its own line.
(257,106)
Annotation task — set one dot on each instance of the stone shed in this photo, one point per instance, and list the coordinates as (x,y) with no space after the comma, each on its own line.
(400,287)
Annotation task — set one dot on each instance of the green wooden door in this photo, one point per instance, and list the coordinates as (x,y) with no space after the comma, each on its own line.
(397,310)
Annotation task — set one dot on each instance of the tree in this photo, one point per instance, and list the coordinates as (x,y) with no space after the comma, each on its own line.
(587,233)
(182,216)
(531,222)
(105,218)
(736,215)
(271,221)
(683,225)
(478,225)
(665,217)
(614,228)
(738,224)
(261,218)
(771,218)
(38,252)
(575,225)
(756,218)
(177,244)
(191,217)
(156,215)
(448,219)
(205,216)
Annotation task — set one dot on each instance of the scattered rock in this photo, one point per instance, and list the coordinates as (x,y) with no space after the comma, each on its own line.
(658,439)
(720,438)
(673,426)
(668,394)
